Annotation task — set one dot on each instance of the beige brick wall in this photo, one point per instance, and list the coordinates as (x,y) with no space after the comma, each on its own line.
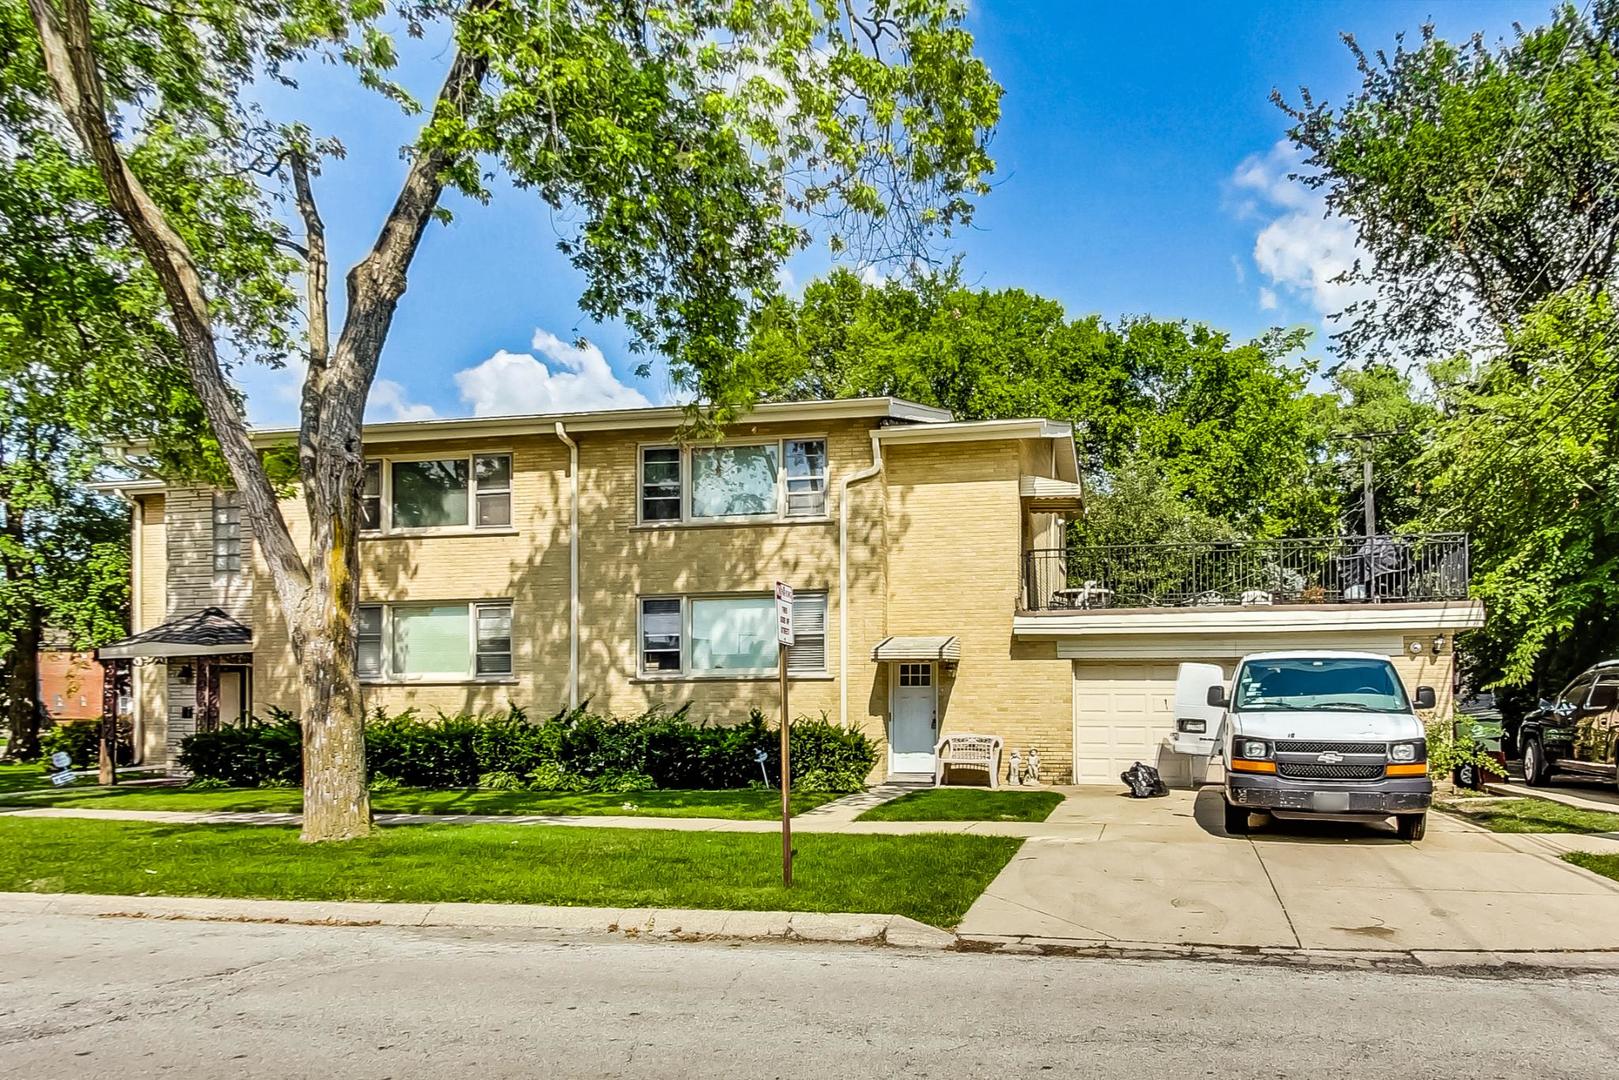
(149,609)
(954,555)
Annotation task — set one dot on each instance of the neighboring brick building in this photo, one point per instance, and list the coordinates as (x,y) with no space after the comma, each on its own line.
(543,560)
(70,684)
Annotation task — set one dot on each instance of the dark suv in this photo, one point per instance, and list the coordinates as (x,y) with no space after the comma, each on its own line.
(1576,733)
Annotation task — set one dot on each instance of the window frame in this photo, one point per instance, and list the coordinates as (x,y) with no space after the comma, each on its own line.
(386,676)
(685,671)
(232,502)
(385,464)
(688,484)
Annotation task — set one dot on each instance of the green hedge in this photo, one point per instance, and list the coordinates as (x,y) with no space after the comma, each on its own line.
(81,740)
(576,751)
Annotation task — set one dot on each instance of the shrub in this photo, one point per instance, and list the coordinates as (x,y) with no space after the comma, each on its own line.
(574,750)
(255,753)
(81,741)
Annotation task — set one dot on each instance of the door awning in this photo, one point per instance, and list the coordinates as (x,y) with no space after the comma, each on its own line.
(209,632)
(917,648)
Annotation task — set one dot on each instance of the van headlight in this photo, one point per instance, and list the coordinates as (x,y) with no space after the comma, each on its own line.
(1251,749)
(1408,752)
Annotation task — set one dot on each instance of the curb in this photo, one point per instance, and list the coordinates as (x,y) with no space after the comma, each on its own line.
(1449,961)
(656,923)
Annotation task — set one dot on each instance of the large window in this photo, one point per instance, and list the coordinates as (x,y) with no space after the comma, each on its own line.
(227,533)
(429,494)
(716,636)
(441,641)
(735,481)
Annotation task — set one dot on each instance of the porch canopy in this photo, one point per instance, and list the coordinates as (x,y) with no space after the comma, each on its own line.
(209,632)
(918,648)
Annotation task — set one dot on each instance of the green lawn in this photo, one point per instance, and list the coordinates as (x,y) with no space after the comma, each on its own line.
(22,777)
(966,804)
(1606,865)
(932,878)
(737,804)
(1530,816)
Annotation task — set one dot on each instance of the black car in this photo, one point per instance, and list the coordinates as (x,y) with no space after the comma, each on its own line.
(1578,732)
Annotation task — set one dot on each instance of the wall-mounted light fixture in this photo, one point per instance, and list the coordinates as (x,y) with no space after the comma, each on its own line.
(185,673)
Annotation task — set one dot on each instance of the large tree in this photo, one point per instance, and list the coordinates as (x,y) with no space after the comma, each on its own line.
(82,358)
(1483,183)
(693,144)
(1230,429)
(1480,180)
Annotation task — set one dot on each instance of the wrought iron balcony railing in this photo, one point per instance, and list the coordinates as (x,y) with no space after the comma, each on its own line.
(1314,570)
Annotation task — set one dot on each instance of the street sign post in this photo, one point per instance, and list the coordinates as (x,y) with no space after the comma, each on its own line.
(784,638)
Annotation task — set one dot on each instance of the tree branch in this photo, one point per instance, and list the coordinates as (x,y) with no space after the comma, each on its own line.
(377,281)
(70,62)
(315,279)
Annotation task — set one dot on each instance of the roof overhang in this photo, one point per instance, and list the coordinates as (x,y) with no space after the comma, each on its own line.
(1060,434)
(898,648)
(127,489)
(1045,495)
(166,650)
(1451,615)
(659,417)
(207,632)
(1183,633)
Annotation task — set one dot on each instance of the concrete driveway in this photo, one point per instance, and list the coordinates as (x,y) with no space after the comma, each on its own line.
(1162,871)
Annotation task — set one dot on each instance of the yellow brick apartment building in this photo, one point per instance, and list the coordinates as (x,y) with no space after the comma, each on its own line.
(543,561)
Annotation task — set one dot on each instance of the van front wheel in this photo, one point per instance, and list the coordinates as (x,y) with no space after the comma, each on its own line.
(1412,826)
(1236,820)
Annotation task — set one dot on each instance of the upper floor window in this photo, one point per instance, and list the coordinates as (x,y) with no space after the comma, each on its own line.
(227,533)
(435,494)
(784,478)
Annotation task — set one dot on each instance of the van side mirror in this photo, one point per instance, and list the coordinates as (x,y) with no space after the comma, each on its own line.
(1217,697)
(1426,698)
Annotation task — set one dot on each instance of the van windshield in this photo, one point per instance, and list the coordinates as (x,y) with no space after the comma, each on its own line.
(1298,684)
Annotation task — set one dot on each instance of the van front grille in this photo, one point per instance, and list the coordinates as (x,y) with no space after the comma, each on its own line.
(1336,747)
(1307,771)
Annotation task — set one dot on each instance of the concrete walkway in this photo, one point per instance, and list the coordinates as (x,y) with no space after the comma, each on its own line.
(1162,871)
(1583,798)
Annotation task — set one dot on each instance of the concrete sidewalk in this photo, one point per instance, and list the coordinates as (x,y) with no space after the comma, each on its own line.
(1580,797)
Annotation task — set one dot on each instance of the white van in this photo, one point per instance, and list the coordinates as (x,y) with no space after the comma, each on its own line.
(1311,732)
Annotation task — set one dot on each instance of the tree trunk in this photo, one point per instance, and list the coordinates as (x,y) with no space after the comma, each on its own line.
(337,805)
(21,689)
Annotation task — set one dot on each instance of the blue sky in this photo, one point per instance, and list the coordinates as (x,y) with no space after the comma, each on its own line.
(1139,172)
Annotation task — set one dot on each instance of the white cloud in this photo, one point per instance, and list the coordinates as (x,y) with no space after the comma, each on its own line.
(389,401)
(570,378)
(870,275)
(1299,250)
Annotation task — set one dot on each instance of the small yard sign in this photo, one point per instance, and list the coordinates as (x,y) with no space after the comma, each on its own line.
(61,759)
(62,779)
(784,613)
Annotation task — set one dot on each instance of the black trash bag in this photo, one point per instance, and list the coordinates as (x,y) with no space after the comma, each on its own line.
(1144,781)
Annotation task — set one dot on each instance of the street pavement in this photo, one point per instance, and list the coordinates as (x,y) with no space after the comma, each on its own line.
(84,997)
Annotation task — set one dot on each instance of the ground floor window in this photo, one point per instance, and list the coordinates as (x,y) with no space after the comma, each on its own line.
(435,641)
(728,635)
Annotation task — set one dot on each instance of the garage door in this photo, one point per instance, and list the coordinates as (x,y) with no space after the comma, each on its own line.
(1123,712)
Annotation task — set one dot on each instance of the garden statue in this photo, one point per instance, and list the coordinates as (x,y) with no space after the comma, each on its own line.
(1014,777)
(1033,776)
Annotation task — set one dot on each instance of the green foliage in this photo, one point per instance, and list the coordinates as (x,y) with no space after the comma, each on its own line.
(1527,463)
(572,751)
(81,742)
(206,783)
(1480,180)
(1448,750)
(1232,431)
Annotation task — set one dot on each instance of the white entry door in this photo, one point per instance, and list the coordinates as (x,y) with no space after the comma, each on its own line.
(913,732)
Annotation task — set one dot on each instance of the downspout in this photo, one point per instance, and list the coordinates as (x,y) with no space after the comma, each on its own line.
(867,473)
(573,566)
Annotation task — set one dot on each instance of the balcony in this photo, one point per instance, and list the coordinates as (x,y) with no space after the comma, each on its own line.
(1403,568)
